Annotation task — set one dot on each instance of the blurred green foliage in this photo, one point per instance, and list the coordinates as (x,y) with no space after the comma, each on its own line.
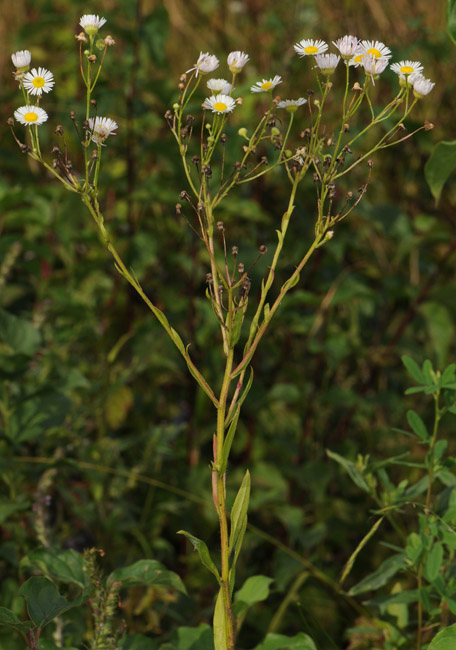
(105,440)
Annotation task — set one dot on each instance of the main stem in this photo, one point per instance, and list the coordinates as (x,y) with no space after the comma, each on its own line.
(220,501)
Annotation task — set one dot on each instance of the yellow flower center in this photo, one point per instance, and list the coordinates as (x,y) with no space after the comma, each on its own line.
(376,53)
(267,84)
(311,49)
(220,107)
(359,58)
(30,117)
(38,82)
(406,69)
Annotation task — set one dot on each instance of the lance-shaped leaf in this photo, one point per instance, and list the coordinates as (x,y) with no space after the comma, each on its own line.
(229,440)
(145,573)
(239,511)
(440,166)
(451,20)
(220,623)
(203,552)
(361,545)
(380,577)
(352,470)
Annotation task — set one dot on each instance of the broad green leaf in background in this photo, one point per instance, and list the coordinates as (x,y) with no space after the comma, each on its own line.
(442,161)
(417,425)
(66,565)
(440,327)
(444,640)
(44,602)
(254,590)
(281,642)
(33,416)
(434,562)
(9,619)
(191,638)
(18,334)
(145,573)
(138,642)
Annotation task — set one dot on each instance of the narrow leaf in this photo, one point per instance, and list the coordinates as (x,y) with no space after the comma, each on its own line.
(349,565)
(354,474)
(379,578)
(417,425)
(229,440)
(203,552)
(434,562)
(413,369)
(239,510)
(220,623)
(451,20)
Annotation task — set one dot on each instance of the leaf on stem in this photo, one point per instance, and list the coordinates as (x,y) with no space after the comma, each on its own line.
(444,640)
(417,425)
(220,623)
(351,469)
(442,161)
(203,552)
(229,440)
(349,565)
(9,619)
(44,602)
(239,511)
(145,573)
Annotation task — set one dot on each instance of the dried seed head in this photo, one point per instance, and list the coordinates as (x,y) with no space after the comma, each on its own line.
(356,86)
(185,195)
(92,58)
(56,151)
(263,249)
(220,225)
(108,40)
(237,165)
(428,126)
(55,163)
(315,178)
(234,250)
(10,121)
(349,196)
(264,160)
(223,138)
(346,127)
(207,171)
(181,86)
(25,148)
(81,37)
(59,129)
(309,91)
(370,164)
(168,115)
(178,208)
(189,120)
(209,278)
(240,267)
(199,206)
(196,160)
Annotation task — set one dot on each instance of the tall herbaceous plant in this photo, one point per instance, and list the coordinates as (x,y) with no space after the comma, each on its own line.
(293,134)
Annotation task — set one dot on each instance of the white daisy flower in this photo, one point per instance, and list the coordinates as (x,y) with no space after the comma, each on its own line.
(206,63)
(292,104)
(348,46)
(376,48)
(91,23)
(21,59)
(266,85)
(219,104)
(422,86)
(102,128)
(407,68)
(308,47)
(38,81)
(237,60)
(29,115)
(357,59)
(219,86)
(327,63)
(374,66)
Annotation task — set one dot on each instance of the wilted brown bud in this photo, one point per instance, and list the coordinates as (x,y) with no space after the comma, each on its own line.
(207,171)
(185,195)
(81,37)
(180,86)
(309,91)
(92,58)
(178,208)
(10,121)
(108,40)
(209,278)
(56,151)
(72,115)
(264,160)
(428,126)
(346,127)
(240,267)
(234,250)
(55,163)
(356,86)
(263,249)
(370,164)
(223,138)
(220,225)
(94,155)
(25,148)
(93,102)
(183,78)
(196,160)
(199,206)
(237,165)
(349,195)
(59,129)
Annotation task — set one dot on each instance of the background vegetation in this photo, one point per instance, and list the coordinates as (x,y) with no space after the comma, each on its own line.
(105,440)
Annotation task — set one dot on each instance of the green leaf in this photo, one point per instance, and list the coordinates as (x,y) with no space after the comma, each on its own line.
(48,645)
(439,323)
(434,562)
(138,642)
(203,552)
(440,166)
(20,335)
(361,545)
(33,416)
(380,577)
(145,573)
(444,640)
(9,619)
(220,623)
(254,590)
(413,369)
(351,469)
(229,440)
(448,375)
(451,20)
(192,638)
(417,425)
(9,508)
(43,600)
(281,642)
(66,566)
(239,510)
(237,325)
